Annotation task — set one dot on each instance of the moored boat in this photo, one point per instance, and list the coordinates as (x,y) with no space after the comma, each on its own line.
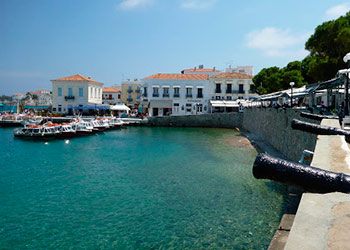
(35,132)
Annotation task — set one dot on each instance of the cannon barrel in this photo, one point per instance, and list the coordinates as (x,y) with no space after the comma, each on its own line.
(307,178)
(316,117)
(318,129)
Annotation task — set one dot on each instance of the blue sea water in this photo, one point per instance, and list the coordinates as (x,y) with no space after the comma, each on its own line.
(138,188)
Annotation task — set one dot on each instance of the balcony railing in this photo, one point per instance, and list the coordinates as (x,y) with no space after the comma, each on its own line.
(69,97)
(217,90)
(155,95)
(176,95)
(165,95)
(238,91)
(138,97)
(129,90)
(200,96)
(138,90)
(108,98)
(129,99)
(188,95)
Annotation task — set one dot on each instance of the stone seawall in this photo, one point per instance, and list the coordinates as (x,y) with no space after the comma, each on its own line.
(274,127)
(271,125)
(218,120)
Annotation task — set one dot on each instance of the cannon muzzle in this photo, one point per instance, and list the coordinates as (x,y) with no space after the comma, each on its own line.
(318,129)
(316,117)
(304,177)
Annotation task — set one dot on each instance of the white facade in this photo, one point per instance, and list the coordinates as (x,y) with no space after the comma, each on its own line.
(231,86)
(75,91)
(111,96)
(249,70)
(176,94)
(17,97)
(44,97)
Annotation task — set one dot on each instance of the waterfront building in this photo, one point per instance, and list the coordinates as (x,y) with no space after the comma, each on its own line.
(76,92)
(131,93)
(43,97)
(226,87)
(111,96)
(176,94)
(17,97)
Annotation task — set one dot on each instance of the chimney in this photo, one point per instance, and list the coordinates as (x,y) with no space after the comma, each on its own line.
(195,68)
(201,66)
(214,68)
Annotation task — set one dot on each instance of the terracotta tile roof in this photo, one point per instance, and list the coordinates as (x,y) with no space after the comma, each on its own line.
(232,76)
(76,78)
(178,76)
(111,90)
(18,94)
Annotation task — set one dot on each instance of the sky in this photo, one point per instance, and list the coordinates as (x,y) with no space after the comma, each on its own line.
(115,40)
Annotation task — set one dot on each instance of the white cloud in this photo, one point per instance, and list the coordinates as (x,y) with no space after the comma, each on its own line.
(275,42)
(197,4)
(132,4)
(337,11)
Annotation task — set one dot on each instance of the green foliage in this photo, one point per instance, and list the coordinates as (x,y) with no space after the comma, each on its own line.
(328,45)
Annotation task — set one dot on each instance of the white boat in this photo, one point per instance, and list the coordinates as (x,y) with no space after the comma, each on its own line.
(11,120)
(35,132)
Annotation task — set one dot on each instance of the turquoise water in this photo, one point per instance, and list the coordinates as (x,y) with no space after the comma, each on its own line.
(139,188)
(9,108)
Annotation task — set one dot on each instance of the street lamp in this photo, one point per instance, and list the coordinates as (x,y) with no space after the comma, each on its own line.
(291,93)
(347,61)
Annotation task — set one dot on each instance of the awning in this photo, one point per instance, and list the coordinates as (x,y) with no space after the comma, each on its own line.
(120,107)
(161,103)
(224,104)
(90,107)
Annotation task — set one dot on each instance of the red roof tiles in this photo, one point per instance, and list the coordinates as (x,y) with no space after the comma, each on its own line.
(178,76)
(114,90)
(76,78)
(232,76)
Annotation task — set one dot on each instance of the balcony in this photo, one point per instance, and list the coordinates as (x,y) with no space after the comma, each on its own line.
(155,95)
(129,90)
(188,95)
(200,96)
(138,90)
(238,91)
(138,97)
(129,99)
(217,90)
(69,98)
(166,95)
(108,98)
(176,95)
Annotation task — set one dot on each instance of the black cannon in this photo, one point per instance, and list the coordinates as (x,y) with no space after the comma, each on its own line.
(304,177)
(316,117)
(319,129)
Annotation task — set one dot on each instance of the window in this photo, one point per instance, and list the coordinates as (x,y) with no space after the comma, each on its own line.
(188,107)
(70,92)
(176,107)
(165,92)
(59,108)
(145,91)
(218,88)
(81,93)
(155,92)
(59,92)
(110,97)
(118,96)
(176,92)
(199,93)
(188,92)
(241,90)
(199,108)
(229,88)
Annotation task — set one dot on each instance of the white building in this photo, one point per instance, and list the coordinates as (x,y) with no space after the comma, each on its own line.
(249,70)
(111,96)
(75,92)
(17,97)
(176,94)
(231,87)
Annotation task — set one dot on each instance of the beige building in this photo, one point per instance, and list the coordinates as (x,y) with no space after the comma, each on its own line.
(131,93)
